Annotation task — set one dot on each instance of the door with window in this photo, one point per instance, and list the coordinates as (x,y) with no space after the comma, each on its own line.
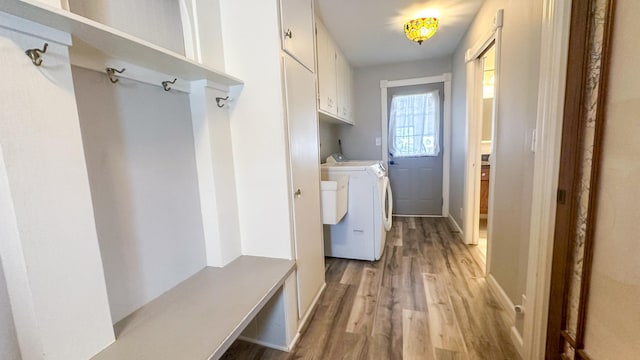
(415,148)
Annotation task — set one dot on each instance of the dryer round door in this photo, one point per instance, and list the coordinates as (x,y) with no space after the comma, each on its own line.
(387,204)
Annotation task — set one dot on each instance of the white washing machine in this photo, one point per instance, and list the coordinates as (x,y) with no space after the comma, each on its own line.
(362,232)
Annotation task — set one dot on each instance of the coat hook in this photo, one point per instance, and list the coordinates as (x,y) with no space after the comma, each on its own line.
(34,54)
(220,100)
(111,72)
(165,84)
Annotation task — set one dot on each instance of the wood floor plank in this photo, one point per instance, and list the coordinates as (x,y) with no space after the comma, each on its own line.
(416,341)
(349,346)
(414,298)
(392,275)
(443,326)
(363,310)
(411,239)
(318,333)
(394,237)
(388,322)
(444,354)
(352,273)
(334,269)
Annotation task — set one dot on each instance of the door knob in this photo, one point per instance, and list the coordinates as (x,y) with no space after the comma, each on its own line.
(288,34)
(298,193)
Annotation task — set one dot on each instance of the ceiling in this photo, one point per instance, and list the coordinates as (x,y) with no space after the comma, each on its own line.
(370,32)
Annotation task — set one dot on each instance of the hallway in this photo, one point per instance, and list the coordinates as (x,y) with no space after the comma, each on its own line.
(415,303)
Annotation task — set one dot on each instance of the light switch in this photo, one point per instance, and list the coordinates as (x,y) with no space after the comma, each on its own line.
(378,141)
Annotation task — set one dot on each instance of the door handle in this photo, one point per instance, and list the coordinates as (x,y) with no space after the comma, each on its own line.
(298,193)
(288,34)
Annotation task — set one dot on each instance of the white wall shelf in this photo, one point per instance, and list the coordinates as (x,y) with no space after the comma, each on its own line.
(202,316)
(115,43)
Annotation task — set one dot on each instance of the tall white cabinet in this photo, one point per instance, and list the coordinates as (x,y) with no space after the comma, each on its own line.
(280,160)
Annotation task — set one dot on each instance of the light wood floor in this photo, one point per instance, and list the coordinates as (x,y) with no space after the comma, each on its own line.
(427,298)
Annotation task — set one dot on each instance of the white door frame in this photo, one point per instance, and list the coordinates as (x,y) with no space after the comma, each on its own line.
(446,152)
(556,21)
(471,199)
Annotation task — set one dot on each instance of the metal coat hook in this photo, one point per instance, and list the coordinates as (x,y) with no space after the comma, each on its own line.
(34,54)
(111,74)
(165,84)
(220,100)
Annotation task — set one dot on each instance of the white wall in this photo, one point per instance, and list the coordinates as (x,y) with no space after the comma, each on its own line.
(613,318)
(359,141)
(252,53)
(329,136)
(513,174)
(138,142)
(9,349)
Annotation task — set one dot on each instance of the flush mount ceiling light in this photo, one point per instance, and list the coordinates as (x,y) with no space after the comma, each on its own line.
(421,29)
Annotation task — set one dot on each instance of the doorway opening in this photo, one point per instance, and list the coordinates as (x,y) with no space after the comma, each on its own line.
(488,97)
(413,145)
(483,75)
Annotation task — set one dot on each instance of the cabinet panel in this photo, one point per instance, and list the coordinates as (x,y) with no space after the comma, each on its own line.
(297,30)
(305,176)
(327,90)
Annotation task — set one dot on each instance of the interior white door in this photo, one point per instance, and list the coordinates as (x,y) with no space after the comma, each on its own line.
(416,182)
(305,179)
(297,30)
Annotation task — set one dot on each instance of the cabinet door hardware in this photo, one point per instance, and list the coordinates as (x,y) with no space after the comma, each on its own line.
(288,34)
(298,193)
(34,54)
(111,74)
(165,84)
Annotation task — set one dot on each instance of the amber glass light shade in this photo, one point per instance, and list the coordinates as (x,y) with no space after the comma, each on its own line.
(419,30)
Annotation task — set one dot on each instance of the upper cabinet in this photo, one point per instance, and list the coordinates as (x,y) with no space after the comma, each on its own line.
(297,30)
(344,83)
(335,79)
(327,86)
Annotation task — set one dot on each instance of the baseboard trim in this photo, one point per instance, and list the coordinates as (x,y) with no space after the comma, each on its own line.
(455,225)
(517,341)
(503,299)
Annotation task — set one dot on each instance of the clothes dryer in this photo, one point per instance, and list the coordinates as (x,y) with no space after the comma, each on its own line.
(362,232)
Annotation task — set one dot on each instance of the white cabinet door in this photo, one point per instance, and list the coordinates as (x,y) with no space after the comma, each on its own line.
(305,175)
(342,85)
(297,30)
(350,95)
(327,91)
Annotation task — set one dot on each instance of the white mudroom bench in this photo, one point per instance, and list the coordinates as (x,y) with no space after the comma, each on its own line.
(202,316)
